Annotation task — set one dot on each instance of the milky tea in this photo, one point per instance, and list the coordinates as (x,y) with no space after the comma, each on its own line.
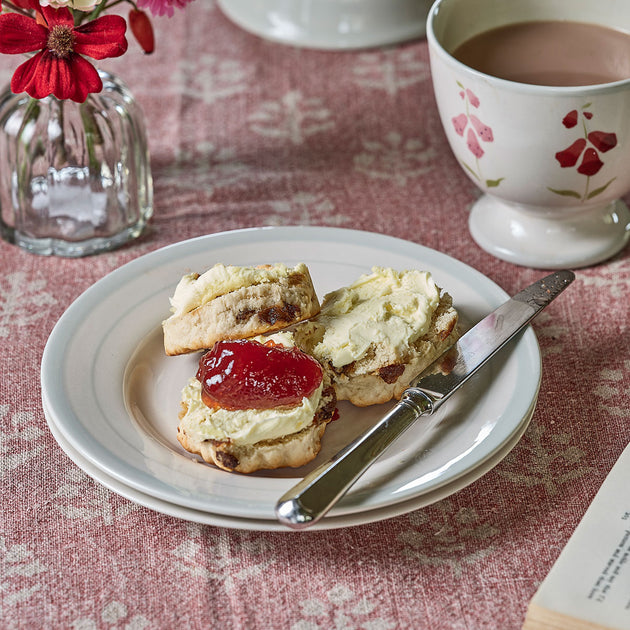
(552,53)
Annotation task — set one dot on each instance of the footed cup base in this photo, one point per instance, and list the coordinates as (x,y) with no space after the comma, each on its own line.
(549,242)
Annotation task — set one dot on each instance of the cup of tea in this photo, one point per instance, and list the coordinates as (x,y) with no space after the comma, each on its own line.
(534,98)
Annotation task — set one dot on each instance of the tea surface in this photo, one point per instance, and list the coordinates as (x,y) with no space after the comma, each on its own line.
(555,53)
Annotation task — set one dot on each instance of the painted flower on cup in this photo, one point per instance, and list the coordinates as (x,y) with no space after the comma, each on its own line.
(475,133)
(584,153)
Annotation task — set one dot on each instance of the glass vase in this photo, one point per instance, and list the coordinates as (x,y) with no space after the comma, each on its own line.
(75,178)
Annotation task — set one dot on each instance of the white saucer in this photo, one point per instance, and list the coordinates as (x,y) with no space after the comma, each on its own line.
(113,395)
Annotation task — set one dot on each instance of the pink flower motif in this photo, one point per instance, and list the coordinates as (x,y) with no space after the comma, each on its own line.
(473,144)
(462,95)
(483,131)
(474,101)
(460,122)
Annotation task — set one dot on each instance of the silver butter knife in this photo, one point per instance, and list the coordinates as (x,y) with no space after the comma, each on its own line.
(311,498)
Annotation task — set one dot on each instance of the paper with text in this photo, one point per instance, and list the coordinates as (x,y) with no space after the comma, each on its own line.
(590,581)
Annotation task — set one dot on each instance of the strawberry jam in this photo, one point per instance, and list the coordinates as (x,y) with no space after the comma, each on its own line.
(245,374)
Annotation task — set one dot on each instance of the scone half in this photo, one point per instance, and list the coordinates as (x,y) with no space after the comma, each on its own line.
(377,334)
(236,303)
(289,450)
(363,388)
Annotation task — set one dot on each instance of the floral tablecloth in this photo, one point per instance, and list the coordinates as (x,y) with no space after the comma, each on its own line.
(245,133)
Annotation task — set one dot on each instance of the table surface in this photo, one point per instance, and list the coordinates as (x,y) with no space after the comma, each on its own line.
(246,133)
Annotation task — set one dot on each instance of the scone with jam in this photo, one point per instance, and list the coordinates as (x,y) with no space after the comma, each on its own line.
(256,404)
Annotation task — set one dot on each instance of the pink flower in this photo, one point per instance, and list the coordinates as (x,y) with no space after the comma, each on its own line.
(474,101)
(460,122)
(483,131)
(162,7)
(473,144)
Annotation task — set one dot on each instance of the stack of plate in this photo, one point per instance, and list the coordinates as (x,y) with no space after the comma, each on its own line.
(111,395)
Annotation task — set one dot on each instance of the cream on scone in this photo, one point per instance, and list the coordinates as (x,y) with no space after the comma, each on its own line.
(234,302)
(249,439)
(375,335)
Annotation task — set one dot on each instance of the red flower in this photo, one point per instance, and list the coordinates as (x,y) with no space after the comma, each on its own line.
(142,29)
(603,141)
(590,163)
(571,119)
(59,68)
(570,155)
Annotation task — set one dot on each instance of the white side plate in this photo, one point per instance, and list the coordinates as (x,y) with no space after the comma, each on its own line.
(112,394)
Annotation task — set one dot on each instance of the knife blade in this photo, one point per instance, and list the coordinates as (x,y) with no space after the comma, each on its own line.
(310,499)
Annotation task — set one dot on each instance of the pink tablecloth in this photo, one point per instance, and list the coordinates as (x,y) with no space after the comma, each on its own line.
(245,133)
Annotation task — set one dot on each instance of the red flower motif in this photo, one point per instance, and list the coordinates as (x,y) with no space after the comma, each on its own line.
(571,119)
(570,155)
(603,141)
(59,67)
(600,140)
(590,163)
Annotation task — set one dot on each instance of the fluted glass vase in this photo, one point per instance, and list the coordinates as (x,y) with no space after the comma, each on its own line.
(75,178)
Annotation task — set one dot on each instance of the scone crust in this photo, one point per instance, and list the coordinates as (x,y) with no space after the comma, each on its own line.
(246,312)
(292,450)
(381,376)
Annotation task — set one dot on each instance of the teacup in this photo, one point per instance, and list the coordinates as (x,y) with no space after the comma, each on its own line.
(552,161)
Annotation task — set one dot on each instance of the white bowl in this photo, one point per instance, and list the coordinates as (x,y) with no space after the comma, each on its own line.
(330,24)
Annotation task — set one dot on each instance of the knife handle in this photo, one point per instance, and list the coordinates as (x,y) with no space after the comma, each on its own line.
(311,498)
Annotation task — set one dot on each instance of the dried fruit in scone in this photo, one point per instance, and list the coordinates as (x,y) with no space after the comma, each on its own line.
(375,335)
(256,404)
(232,302)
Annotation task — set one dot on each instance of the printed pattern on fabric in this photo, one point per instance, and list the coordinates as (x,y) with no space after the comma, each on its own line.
(248,133)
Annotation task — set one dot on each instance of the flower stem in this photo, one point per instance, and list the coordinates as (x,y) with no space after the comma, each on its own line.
(14,8)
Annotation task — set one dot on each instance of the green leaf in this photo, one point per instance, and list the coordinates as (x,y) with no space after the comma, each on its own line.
(601,189)
(458,83)
(565,193)
(471,170)
(493,183)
